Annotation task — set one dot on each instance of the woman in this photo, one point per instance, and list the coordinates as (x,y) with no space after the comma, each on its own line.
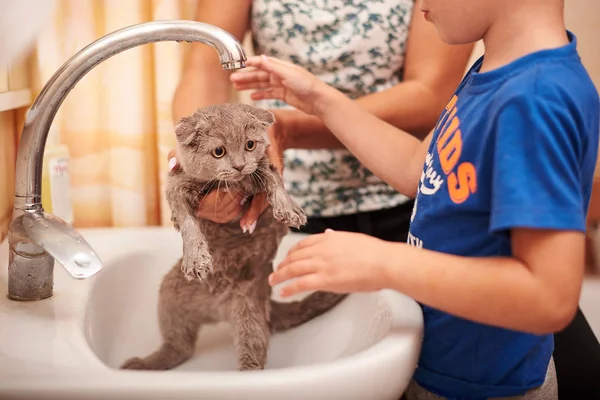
(381,53)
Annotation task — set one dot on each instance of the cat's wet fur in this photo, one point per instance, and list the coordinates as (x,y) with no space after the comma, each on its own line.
(223,273)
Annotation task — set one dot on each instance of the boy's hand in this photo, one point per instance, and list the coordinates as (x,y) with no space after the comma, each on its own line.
(277,79)
(340,262)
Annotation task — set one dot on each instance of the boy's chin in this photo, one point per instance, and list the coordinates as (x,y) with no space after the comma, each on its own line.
(453,37)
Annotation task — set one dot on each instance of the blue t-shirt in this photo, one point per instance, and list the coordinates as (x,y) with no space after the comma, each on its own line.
(515,147)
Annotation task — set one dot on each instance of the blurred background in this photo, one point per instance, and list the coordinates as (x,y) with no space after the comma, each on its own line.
(116,123)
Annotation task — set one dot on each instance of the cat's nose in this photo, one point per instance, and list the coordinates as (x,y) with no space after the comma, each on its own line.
(238,167)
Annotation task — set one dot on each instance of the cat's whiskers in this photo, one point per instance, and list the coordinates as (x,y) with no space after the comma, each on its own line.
(216,202)
(226,187)
(256,180)
(201,192)
(252,178)
(232,188)
(226,176)
(202,189)
(236,188)
(260,172)
(259,181)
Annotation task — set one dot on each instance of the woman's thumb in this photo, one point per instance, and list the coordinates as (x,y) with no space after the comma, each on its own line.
(173,162)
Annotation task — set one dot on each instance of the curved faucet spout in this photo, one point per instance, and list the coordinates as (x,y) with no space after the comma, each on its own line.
(31,262)
(42,112)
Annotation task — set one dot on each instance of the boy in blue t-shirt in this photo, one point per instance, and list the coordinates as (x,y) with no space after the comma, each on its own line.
(495,254)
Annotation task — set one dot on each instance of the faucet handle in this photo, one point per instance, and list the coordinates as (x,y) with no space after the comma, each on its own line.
(62,242)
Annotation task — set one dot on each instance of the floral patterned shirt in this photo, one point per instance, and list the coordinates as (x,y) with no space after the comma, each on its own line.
(356,46)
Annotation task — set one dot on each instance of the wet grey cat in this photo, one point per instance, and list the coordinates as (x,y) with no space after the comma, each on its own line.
(223,273)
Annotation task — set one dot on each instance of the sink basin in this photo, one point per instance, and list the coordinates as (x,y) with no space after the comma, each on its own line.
(70,345)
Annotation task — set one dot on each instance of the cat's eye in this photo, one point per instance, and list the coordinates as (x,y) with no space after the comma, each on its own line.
(218,152)
(250,145)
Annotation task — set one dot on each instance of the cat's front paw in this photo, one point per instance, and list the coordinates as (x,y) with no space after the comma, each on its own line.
(196,265)
(292,215)
(135,363)
(251,366)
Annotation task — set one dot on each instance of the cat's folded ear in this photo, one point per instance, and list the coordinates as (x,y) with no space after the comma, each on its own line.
(265,117)
(186,129)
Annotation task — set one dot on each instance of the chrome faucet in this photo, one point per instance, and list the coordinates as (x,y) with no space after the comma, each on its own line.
(36,238)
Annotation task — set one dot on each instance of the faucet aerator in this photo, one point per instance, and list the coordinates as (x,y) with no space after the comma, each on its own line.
(231,65)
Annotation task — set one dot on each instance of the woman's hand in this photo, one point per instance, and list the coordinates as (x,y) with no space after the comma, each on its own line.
(277,79)
(219,205)
(339,262)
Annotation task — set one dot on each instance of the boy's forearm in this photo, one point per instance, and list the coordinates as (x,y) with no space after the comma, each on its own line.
(390,153)
(506,292)
(408,106)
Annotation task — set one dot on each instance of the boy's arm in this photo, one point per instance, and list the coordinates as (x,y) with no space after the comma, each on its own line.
(431,72)
(391,154)
(537,290)
(537,202)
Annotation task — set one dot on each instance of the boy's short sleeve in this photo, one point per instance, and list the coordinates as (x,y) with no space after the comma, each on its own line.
(536,176)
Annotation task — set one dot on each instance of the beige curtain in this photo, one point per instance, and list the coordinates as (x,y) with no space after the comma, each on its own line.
(7,169)
(117,121)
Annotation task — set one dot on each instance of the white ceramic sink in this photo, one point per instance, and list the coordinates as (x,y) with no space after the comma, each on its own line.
(70,346)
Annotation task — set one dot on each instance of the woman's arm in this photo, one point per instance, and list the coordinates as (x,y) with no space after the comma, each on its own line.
(432,71)
(203,81)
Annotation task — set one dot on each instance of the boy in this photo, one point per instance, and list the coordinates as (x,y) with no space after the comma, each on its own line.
(495,254)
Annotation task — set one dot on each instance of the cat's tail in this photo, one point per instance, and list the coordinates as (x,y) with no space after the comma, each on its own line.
(287,315)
